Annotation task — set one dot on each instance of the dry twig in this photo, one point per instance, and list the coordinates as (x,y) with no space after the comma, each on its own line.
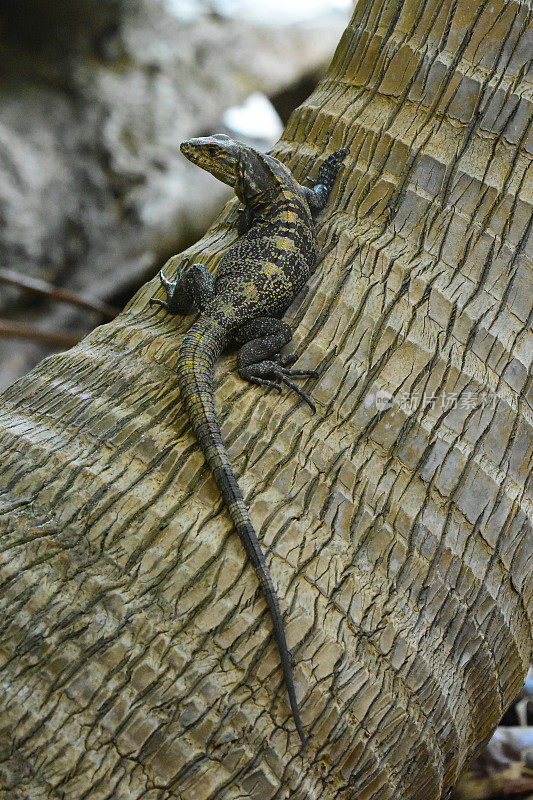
(40,287)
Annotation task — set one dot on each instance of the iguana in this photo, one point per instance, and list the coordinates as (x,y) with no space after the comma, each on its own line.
(257,279)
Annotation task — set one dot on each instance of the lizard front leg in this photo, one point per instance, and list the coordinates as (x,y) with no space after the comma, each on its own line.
(317,197)
(193,287)
(260,360)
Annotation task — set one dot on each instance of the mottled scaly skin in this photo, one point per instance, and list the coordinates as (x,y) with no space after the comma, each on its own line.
(257,280)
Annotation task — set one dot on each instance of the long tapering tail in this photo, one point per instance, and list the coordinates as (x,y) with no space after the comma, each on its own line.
(200,348)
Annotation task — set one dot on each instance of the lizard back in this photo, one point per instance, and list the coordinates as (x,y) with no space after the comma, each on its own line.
(263,271)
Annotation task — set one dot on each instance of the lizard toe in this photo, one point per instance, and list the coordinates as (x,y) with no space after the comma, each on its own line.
(155,301)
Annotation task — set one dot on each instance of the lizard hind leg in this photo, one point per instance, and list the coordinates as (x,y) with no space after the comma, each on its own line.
(192,288)
(260,360)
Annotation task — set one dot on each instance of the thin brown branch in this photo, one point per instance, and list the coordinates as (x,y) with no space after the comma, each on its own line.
(15,329)
(40,287)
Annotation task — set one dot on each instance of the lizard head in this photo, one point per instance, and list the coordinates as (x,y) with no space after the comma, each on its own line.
(251,174)
(218,154)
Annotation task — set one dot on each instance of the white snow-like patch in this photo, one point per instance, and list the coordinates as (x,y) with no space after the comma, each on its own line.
(279,12)
(256,118)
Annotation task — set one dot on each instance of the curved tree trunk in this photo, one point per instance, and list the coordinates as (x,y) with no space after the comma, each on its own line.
(136,653)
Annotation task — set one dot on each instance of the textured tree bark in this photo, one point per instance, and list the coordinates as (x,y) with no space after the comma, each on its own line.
(137,657)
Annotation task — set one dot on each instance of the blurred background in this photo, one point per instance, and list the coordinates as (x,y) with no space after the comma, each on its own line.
(95,97)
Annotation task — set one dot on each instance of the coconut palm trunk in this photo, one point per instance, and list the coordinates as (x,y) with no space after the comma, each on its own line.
(136,653)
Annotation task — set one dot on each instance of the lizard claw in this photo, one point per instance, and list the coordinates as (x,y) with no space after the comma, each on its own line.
(177,300)
(284,377)
(166,282)
(290,359)
(272,373)
(169,287)
(155,301)
(302,373)
(266,382)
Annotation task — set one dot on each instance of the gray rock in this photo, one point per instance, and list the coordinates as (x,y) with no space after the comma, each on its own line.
(94,100)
